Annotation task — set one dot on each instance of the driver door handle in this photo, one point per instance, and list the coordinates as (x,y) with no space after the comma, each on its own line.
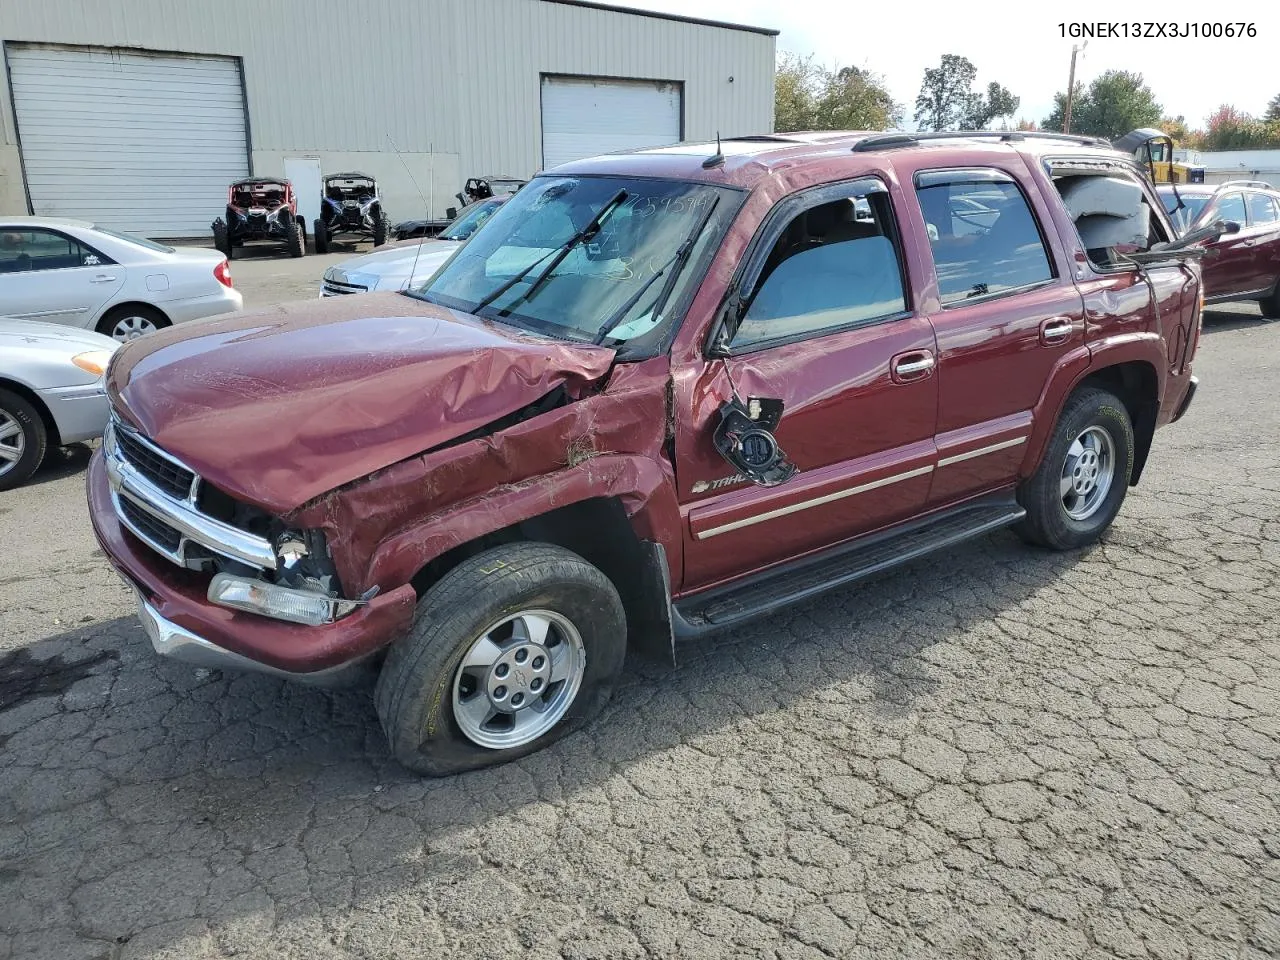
(913,365)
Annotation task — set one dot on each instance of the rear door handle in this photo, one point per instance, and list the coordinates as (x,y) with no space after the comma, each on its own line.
(1056,330)
(102,278)
(915,365)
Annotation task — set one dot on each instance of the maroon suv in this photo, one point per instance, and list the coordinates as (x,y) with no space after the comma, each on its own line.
(657,394)
(1237,266)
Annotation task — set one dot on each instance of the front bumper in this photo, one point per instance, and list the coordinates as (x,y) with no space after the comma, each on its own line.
(183,624)
(1186,399)
(80,411)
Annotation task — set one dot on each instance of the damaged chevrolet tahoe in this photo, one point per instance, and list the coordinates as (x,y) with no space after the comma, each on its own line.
(657,394)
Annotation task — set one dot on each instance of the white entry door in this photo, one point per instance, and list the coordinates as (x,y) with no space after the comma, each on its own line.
(304,174)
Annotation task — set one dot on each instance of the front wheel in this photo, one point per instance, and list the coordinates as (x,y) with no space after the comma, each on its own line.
(1270,306)
(320,237)
(380,229)
(510,651)
(1077,490)
(23,439)
(294,240)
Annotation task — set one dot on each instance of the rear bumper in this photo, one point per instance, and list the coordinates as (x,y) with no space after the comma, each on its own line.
(183,624)
(226,300)
(1186,399)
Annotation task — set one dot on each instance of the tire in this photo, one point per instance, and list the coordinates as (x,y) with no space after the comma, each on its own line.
(294,242)
(1270,306)
(321,235)
(380,229)
(132,320)
(422,677)
(1059,520)
(222,238)
(23,440)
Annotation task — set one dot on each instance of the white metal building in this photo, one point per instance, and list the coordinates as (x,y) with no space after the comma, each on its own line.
(137,113)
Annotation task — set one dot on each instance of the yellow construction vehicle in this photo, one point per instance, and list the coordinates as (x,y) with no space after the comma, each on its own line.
(1154,150)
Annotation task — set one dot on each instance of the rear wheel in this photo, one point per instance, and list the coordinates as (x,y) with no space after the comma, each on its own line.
(23,439)
(510,651)
(132,321)
(321,236)
(1271,305)
(1082,479)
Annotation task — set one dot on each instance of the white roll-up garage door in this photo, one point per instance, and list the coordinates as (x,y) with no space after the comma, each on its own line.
(583,117)
(135,141)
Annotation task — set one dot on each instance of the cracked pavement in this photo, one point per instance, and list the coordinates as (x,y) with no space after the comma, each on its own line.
(994,753)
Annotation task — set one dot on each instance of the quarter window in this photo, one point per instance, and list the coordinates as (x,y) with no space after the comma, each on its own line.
(983,235)
(835,265)
(22,251)
(1262,209)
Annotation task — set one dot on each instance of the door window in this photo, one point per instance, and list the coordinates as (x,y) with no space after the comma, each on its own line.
(1262,209)
(27,250)
(1231,207)
(836,264)
(984,237)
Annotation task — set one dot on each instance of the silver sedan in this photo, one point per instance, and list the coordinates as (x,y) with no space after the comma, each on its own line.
(51,392)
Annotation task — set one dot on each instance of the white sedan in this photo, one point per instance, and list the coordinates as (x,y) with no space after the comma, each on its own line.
(73,272)
(394,266)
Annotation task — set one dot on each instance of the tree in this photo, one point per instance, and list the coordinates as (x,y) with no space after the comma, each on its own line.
(1273,110)
(1176,128)
(945,101)
(1115,103)
(998,102)
(1027,126)
(1232,129)
(808,96)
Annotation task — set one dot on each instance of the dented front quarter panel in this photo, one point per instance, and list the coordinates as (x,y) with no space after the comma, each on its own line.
(385,528)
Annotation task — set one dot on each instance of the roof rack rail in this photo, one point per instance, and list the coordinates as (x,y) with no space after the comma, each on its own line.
(764,138)
(1255,184)
(888,141)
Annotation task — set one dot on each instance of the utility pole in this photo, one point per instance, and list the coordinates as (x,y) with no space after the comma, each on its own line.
(1071,86)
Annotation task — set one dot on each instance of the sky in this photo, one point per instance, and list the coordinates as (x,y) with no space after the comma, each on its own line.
(1022,46)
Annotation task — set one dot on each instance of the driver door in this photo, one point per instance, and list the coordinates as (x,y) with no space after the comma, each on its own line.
(827,328)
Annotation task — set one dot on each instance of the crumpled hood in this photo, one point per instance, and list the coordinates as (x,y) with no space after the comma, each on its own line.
(280,405)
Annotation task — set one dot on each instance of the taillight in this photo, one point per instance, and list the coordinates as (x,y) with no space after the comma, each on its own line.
(223,273)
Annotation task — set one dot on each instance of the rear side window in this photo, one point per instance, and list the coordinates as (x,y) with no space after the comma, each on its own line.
(1262,209)
(984,237)
(28,250)
(1231,207)
(835,265)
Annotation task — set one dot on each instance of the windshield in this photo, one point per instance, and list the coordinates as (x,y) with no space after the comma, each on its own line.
(596,278)
(130,238)
(1191,209)
(471,217)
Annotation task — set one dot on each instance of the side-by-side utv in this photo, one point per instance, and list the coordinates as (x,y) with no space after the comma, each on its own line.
(350,207)
(261,209)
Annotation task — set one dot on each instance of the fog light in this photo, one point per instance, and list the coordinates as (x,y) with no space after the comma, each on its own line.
(281,603)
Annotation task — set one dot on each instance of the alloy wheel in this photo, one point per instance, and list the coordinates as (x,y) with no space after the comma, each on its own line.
(131,328)
(518,679)
(13,442)
(1088,472)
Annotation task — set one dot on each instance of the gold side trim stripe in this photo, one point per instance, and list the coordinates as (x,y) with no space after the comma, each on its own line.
(815,502)
(1002,445)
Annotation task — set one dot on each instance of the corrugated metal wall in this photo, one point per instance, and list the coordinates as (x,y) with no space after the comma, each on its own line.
(457,77)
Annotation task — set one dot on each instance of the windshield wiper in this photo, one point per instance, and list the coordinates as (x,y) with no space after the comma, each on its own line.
(556,256)
(676,262)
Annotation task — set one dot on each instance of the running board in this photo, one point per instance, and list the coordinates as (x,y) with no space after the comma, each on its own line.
(763,593)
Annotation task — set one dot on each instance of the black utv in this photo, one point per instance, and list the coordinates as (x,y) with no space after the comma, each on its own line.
(261,208)
(350,207)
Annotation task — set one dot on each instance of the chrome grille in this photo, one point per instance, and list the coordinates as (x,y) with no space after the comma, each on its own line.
(160,470)
(152,529)
(153,503)
(336,288)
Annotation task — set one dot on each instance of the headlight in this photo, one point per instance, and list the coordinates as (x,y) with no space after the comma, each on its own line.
(280,603)
(94,362)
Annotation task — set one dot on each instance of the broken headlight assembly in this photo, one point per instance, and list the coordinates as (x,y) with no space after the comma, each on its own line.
(305,589)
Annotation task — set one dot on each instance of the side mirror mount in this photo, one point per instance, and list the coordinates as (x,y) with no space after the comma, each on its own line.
(451,213)
(1226,226)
